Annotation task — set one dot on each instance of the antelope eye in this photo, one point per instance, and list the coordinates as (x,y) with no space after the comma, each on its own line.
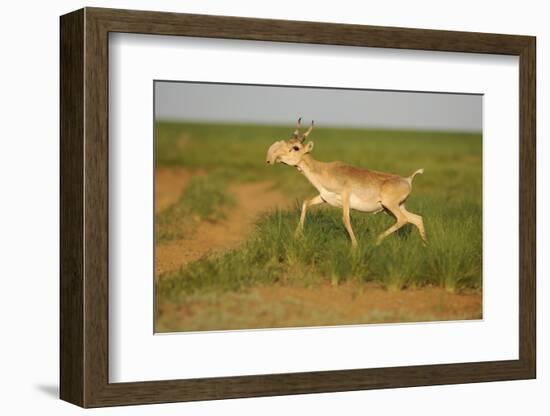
(296,148)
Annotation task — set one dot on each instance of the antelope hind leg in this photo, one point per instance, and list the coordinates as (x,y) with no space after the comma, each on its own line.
(401,220)
(417,221)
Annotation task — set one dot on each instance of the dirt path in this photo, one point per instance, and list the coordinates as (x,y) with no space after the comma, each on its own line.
(169,183)
(253,199)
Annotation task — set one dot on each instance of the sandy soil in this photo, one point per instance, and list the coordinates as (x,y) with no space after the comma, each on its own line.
(253,199)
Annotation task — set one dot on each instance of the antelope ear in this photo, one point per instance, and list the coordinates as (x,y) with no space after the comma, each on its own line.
(309,147)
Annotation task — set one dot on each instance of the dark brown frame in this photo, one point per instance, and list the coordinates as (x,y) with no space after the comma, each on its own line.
(84,207)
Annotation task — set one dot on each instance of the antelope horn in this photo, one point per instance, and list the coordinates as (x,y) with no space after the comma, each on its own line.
(297,131)
(304,137)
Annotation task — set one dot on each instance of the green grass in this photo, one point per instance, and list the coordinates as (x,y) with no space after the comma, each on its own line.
(448,196)
(202,199)
(323,254)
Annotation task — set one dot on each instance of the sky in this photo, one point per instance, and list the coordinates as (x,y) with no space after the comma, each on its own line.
(255,104)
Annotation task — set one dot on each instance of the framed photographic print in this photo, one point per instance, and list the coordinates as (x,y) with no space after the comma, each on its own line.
(255,207)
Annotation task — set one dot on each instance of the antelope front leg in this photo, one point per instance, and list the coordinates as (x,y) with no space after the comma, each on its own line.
(345,218)
(307,203)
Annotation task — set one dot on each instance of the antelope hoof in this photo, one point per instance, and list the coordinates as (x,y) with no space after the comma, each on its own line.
(299,232)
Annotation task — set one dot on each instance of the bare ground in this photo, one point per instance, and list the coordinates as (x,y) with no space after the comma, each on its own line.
(293,306)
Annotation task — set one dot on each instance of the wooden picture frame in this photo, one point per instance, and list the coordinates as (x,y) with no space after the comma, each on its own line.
(84,207)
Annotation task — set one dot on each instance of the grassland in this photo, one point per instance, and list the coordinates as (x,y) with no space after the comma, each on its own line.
(448,196)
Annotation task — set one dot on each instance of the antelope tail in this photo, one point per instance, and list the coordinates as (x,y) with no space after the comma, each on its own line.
(416,172)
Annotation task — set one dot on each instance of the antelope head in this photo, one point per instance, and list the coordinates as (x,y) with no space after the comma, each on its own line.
(290,151)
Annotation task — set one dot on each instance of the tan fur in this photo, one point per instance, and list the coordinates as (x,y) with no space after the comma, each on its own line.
(348,187)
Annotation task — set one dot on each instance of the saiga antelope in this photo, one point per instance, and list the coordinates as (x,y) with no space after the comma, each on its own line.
(346,186)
